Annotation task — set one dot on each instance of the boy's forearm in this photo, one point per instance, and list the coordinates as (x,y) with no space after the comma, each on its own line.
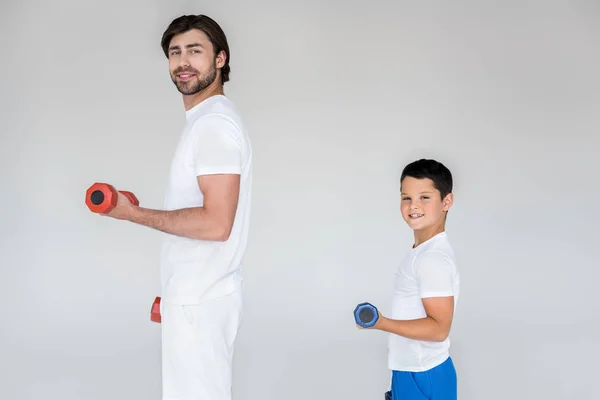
(193,223)
(427,329)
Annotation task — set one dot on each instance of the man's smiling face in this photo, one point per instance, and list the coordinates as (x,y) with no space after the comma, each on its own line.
(193,64)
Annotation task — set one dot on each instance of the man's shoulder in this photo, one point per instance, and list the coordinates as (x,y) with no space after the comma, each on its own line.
(220,110)
(218,122)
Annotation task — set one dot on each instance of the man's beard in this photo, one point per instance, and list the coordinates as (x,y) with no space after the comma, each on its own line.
(196,85)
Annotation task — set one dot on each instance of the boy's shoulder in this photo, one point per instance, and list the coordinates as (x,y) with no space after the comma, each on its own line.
(439,242)
(436,250)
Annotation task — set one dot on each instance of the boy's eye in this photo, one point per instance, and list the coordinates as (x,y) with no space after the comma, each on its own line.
(406,198)
(425,197)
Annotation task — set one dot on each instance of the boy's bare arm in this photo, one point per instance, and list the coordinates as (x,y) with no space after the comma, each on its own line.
(435,327)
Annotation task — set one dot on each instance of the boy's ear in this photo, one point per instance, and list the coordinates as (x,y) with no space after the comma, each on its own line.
(447,203)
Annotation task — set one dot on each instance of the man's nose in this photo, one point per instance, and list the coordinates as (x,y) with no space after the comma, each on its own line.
(184,61)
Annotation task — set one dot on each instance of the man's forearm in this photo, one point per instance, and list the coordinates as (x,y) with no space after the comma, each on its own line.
(427,329)
(193,223)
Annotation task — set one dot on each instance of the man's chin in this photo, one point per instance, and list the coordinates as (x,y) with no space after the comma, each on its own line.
(188,92)
(187,89)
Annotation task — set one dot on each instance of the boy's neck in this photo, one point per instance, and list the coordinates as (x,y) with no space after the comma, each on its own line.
(424,235)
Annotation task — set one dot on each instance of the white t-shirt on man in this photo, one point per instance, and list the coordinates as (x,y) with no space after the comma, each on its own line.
(429,270)
(214,141)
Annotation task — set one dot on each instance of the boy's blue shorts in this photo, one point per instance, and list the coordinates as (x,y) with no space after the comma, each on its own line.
(438,383)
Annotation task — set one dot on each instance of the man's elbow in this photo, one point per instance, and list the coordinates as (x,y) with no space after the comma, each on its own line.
(223,232)
(216,233)
(222,237)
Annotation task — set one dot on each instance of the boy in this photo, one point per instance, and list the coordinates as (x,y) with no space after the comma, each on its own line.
(426,290)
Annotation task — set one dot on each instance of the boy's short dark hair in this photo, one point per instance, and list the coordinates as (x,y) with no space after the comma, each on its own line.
(205,24)
(432,169)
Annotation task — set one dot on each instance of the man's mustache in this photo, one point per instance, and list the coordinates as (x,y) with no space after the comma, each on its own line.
(181,70)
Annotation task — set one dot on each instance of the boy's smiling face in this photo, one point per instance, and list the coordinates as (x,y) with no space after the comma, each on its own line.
(421,205)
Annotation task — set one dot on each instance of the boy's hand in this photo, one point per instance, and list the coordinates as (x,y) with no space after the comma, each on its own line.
(377,325)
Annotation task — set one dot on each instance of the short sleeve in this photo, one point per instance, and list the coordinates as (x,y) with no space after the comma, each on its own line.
(435,274)
(216,146)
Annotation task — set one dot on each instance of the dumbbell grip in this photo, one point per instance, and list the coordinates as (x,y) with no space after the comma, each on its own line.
(131,197)
(155,311)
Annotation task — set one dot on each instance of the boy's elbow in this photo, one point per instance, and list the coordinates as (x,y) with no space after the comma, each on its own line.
(442,335)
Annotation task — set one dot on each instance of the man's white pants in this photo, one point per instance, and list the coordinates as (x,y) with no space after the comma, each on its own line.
(197,348)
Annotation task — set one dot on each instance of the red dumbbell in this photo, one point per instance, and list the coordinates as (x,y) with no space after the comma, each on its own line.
(155,311)
(102,198)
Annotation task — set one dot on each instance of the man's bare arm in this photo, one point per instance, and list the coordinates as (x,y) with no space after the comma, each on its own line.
(213,221)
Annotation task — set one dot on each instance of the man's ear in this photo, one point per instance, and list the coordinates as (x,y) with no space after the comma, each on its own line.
(221,58)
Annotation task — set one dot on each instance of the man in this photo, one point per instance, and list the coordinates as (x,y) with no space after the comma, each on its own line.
(206,216)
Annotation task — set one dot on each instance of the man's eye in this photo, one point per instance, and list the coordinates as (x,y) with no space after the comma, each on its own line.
(425,197)
(406,198)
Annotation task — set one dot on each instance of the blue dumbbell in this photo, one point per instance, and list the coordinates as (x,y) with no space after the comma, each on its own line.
(366,315)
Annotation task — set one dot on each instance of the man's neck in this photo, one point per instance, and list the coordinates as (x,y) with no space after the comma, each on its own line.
(193,100)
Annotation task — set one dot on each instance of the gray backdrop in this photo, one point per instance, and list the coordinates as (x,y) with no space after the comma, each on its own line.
(338,98)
